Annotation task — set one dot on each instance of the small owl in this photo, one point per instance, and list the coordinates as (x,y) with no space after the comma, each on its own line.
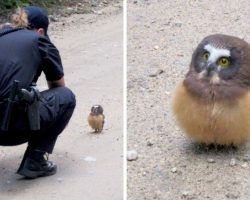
(96,118)
(212,103)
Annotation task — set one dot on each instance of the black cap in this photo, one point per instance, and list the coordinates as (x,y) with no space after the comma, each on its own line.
(37,17)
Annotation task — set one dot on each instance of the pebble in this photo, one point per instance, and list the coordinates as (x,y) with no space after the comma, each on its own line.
(53,19)
(184,194)
(89,159)
(59,179)
(156,47)
(158,72)
(132,155)
(233,162)
(149,143)
(174,170)
(167,93)
(210,160)
(244,165)
(99,12)
(178,24)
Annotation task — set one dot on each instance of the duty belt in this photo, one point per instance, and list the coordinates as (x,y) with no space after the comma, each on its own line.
(30,97)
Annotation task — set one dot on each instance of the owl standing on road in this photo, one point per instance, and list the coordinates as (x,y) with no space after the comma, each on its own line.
(96,118)
(212,104)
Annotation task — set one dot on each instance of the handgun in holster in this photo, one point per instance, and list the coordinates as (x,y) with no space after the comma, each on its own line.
(32,97)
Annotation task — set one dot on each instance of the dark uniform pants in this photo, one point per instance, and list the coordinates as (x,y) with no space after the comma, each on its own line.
(56,108)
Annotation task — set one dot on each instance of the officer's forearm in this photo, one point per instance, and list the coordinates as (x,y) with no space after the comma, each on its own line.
(58,83)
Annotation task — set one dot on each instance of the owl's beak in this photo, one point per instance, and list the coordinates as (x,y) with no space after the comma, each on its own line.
(211,67)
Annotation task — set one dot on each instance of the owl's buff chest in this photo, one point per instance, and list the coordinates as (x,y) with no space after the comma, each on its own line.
(96,121)
(214,122)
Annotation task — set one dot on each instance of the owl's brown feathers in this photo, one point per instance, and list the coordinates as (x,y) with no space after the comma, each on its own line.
(212,104)
(223,123)
(96,122)
(96,118)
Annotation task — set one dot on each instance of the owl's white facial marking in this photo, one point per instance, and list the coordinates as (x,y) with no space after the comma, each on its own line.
(216,53)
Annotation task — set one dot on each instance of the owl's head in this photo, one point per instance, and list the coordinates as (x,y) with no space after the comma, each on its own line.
(220,67)
(96,110)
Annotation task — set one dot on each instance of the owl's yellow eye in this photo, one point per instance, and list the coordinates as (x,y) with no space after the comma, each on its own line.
(206,55)
(224,62)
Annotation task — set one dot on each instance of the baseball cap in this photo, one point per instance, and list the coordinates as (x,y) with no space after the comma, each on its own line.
(37,17)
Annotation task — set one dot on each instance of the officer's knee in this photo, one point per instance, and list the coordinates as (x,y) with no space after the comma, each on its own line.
(70,96)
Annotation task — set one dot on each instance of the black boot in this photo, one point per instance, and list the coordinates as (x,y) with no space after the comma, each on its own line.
(35,165)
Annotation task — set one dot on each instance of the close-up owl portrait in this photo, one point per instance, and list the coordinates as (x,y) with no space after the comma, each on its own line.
(212,103)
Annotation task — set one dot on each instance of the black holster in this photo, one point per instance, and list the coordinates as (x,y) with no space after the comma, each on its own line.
(26,98)
(32,99)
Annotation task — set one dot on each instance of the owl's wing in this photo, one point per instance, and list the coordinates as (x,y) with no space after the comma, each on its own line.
(103,120)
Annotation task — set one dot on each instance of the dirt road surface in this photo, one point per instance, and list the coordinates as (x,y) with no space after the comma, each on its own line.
(89,165)
(161,38)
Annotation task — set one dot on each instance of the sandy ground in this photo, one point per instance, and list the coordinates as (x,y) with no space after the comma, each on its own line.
(162,36)
(89,165)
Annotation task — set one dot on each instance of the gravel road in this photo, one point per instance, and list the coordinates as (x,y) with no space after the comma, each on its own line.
(161,38)
(89,165)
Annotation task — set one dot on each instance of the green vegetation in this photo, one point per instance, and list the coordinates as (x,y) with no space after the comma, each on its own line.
(7,6)
(58,7)
(10,4)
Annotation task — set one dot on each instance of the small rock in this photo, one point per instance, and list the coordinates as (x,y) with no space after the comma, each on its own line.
(99,12)
(244,165)
(59,179)
(178,24)
(89,159)
(210,160)
(174,170)
(233,162)
(149,143)
(156,47)
(167,93)
(158,72)
(132,155)
(184,194)
(53,19)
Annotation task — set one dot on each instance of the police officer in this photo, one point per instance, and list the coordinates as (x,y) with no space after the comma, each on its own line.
(26,52)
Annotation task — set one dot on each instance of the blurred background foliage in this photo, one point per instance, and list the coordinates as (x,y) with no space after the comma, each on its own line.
(55,7)
(6,6)
(10,4)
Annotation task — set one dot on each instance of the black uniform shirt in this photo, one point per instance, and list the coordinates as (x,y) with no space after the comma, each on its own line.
(24,54)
